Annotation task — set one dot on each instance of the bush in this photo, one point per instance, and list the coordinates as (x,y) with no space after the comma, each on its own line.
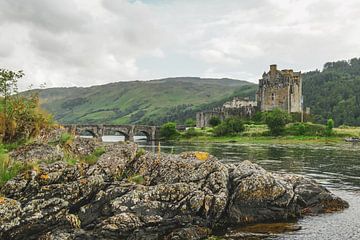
(66,138)
(276,121)
(329,127)
(168,131)
(258,117)
(229,126)
(305,129)
(21,117)
(214,121)
(190,122)
(8,168)
(191,132)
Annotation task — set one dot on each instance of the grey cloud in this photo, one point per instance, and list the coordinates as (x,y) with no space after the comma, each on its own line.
(80,42)
(54,16)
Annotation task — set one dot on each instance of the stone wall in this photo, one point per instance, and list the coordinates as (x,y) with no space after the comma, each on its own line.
(280,89)
(203,118)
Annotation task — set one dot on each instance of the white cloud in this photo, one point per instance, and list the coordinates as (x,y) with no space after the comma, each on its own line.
(79,42)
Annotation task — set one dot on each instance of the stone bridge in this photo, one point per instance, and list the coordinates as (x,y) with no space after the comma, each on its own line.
(129,131)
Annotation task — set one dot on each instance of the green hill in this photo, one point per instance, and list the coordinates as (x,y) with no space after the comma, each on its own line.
(141,102)
(334,92)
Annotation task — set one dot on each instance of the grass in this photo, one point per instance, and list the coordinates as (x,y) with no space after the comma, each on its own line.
(66,138)
(9,168)
(260,134)
(91,159)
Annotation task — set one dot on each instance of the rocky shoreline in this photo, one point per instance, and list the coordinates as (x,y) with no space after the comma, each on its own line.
(129,193)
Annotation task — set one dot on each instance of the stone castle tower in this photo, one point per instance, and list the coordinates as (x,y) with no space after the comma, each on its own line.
(280,89)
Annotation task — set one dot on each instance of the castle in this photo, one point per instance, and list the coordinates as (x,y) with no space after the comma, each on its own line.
(277,89)
(280,89)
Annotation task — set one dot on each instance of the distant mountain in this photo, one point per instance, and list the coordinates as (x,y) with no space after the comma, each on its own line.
(334,92)
(142,102)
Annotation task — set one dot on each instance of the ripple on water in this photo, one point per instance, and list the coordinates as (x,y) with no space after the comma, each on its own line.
(341,225)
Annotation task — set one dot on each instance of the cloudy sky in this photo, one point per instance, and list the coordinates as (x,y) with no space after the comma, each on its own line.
(83,42)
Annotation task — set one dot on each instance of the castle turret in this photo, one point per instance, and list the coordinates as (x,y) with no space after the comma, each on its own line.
(280,89)
(273,69)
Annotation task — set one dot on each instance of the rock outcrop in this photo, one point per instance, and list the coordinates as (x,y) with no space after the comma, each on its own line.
(132,194)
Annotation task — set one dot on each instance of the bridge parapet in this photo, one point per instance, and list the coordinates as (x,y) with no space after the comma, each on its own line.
(99,130)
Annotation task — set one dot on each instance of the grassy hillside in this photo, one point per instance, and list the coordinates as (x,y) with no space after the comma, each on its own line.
(150,102)
(334,92)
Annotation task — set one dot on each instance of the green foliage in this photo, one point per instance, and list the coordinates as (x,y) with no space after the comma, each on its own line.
(334,92)
(276,120)
(21,117)
(190,122)
(92,158)
(140,152)
(258,117)
(305,129)
(229,126)
(99,151)
(66,138)
(138,179)
(8,168)
(168,131)
(214,121)
(191,132)
(329,127)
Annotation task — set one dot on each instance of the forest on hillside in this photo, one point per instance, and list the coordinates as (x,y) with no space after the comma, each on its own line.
(334,92)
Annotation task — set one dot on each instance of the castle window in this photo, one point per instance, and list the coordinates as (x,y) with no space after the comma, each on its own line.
(273,96)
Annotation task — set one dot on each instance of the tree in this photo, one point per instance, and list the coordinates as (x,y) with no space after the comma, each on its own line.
(229,126)
(8,87)
(190,122)
(214,121)
(276,120)
(168,130)
(21,116)
(329,127)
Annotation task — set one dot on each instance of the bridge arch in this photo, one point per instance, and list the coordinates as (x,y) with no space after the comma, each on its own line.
(86,133)
(128,131)
(87,130)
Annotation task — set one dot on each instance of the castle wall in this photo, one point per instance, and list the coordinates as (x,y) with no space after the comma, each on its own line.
(280,89)
(203,118)
(275,97)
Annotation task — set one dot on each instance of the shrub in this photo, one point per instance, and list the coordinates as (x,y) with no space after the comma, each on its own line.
(66,138)
(8,168)
(276,121)
(229,126)
(258,117)
(191,132)
(214,121)
(168,130)
(329,127)
(190,122)
(305,129)
(21,117)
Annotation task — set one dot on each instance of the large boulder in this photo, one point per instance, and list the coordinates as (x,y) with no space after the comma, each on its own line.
(133,194)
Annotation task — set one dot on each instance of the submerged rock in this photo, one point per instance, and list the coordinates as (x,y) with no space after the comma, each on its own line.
(133,194)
